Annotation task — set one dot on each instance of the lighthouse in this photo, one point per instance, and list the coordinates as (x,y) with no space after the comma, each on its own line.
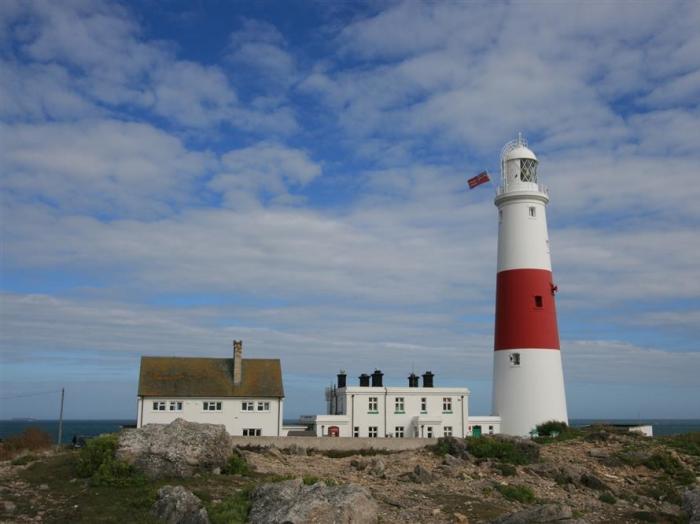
(528,383)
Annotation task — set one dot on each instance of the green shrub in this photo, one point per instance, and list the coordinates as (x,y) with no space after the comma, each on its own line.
(547,429)
(503,450)
(233,509)
(519,493)
(236,465)
(607,497)
(688,443)
(310,479)
(97,462)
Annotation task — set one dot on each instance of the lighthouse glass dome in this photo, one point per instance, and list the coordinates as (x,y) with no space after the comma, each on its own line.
(519,168)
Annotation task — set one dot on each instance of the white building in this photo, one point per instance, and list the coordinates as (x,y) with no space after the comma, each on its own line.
(374,410)
(245,395)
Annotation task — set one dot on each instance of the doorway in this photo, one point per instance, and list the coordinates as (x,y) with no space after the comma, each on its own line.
(476,431)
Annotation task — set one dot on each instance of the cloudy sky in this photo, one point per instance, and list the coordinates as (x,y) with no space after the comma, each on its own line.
(177,174)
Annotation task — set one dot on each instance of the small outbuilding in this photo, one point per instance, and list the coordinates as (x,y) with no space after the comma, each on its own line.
(245,395)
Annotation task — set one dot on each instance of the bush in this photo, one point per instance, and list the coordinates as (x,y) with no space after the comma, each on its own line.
(503,449)
(233,509)
(552,428)
(607,497)
(23,459)
(31,439)
(97,462)
(688,443)
(660,461)
(516,492)
(236,465)
(310,480)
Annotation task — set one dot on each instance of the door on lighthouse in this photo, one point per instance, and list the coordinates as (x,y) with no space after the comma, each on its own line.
(476,431)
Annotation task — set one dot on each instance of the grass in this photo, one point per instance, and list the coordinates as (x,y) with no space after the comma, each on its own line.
(310,480)
(23,459)
(233,509)
(507,470)
(502,449)
(660,461)
(516,492)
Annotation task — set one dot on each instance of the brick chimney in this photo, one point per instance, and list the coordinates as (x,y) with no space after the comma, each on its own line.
(237,357)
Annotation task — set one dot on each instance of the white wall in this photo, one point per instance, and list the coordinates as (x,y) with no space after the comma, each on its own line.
(489,425)
(386,419)
(231,414)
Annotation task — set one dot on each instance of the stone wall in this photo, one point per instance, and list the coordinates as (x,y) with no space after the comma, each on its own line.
(329,443)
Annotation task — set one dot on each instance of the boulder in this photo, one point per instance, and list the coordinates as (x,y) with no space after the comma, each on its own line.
(179,449)
(176,505)
(292,502)
(541,513)
(420,475)
(295,449)
(452,461)
(591,481)
(453,446)
(376,467)
(691,505)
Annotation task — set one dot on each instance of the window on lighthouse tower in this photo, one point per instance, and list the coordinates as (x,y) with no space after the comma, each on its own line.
(528,170)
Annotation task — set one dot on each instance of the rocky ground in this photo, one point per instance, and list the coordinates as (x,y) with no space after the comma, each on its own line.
(599,476)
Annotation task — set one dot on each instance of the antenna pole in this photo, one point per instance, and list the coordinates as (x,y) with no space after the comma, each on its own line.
(60,418)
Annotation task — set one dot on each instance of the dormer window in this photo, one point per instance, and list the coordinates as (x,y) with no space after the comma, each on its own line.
(528,170)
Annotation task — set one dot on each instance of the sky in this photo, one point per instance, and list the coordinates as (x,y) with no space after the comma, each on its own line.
(175,175)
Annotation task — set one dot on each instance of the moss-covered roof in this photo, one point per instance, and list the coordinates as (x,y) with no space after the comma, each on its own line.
(209,377)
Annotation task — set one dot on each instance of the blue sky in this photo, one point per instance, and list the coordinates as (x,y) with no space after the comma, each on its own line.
(176,175)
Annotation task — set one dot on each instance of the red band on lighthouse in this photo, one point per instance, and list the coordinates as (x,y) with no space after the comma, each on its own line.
(526,315)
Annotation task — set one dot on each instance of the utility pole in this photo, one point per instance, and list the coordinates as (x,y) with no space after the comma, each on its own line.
(60,418)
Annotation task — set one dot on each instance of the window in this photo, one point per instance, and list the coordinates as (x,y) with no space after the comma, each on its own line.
(528,170)
(490,430)
(532,211)
(373,405)
(373,431)
(252,432)
(264,406)
(356,431)
(212,405)
(175,405)
(538,301)
(398,431)
(247,405)
(500,216)
(447,405)
(429,432)
(447,431)
(424,405)
(399,405)
(515,359)
(159,406)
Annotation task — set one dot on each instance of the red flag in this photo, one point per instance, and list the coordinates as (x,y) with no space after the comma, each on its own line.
(479,179)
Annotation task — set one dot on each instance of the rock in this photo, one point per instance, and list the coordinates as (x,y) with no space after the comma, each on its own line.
(358,464)
(376,467)
(10,506)
(452,461)
(455,447)
(295,449)
(591,481)
(541,513)
(691,505)
(292,502)
(420,475)
(562,474)
(178,449)
(459,518)
(599,453)
(176,505)
(275,453)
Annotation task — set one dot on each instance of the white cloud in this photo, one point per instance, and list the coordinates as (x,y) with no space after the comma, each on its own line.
(104,167)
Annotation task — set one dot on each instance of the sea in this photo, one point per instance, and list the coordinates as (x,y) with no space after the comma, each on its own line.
(91,428)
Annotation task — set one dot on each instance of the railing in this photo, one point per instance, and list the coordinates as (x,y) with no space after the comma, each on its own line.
(522,186)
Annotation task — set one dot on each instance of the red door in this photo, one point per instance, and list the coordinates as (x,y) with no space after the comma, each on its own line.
(333,431)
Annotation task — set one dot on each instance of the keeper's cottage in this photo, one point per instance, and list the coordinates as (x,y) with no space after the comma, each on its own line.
(243,394)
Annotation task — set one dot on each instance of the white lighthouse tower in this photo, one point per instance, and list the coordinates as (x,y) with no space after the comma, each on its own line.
(528,383)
